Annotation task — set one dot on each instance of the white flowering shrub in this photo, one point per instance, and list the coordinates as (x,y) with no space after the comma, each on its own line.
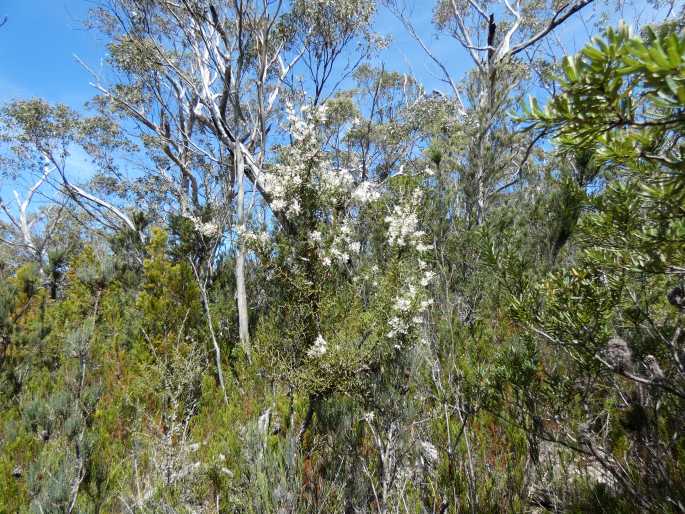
(347,267)
(348,257)
(403,224)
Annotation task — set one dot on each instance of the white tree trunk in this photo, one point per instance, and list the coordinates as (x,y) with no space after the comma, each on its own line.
(241,293)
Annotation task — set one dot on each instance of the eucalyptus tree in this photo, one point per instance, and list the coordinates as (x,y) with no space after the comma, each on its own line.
(20,223)
(38,146)
(502,41)
(374,121)
(203,83)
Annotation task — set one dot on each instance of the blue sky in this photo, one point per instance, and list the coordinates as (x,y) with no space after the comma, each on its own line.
(37,47)
(39,42)
(41,37)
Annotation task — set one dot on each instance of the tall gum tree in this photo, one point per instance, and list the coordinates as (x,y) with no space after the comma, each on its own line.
(202,82)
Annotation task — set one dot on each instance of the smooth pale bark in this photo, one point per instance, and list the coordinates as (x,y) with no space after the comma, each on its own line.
(22,222)
(241,293)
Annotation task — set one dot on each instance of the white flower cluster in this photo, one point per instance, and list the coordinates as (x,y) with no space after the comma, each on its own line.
(318,349)
(428,171)
(339,184)
(335,181)
(261,238)
(285,180)
(403,225)
(303,127)
(281,183)
(407,310)
(207,229)
(315,237)
(411,303)
(343,246)
(366,192)
(426,274)
(304,164)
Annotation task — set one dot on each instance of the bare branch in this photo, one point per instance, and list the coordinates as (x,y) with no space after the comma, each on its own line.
(559,17)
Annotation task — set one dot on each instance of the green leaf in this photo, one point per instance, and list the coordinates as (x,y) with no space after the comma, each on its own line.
(674,55)
(672,85)
(593,53)
(657,53)
(569,66)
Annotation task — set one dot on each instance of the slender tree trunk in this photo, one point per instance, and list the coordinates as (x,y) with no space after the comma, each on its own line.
(307,419)
(210,325)
(241,293)
(215,343)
